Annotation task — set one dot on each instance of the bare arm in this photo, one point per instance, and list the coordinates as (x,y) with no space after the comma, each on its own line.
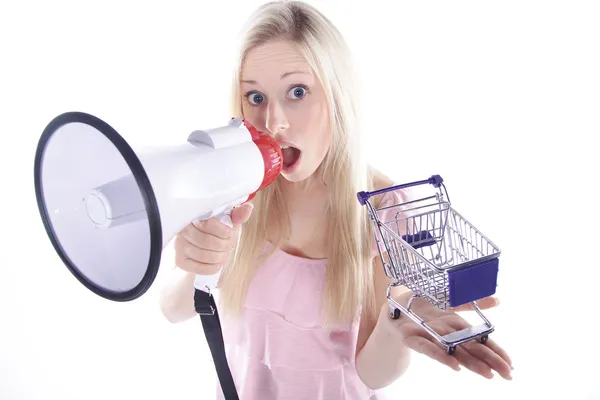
(201,248)
(382,356)
(177,297)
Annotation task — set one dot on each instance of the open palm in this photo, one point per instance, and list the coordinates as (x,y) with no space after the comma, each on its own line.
(477,357)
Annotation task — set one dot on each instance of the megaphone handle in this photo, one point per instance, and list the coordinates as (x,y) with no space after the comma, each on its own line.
(206,307)
(208,282)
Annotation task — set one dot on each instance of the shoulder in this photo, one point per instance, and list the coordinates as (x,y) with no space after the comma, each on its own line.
(381,181)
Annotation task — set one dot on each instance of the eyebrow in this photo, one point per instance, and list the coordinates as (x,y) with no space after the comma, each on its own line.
(284,75)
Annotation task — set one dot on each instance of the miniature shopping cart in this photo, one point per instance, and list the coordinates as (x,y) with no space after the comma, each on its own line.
(428,247)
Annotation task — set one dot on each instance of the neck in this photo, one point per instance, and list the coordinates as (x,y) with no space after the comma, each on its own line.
(306,205)
(312,189)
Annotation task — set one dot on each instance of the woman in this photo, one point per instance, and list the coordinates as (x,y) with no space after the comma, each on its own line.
(303,291)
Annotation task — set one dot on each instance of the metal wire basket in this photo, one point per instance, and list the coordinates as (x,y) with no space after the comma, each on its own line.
(431,249)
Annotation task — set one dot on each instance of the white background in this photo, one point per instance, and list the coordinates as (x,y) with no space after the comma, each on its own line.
(500,98)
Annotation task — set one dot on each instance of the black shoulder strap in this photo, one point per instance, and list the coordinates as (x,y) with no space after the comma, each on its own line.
(206,307)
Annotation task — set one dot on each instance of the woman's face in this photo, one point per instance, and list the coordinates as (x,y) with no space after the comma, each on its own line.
(282,96)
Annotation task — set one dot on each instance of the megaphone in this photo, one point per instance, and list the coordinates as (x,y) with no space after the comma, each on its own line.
(109,211)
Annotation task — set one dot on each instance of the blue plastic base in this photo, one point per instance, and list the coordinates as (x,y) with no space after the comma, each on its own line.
(473,283)
(418,240)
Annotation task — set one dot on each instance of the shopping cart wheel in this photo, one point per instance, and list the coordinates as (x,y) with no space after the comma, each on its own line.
(483,339)
(451,350)
(395,314)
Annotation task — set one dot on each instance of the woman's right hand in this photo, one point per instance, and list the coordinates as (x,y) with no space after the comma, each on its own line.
(202,247)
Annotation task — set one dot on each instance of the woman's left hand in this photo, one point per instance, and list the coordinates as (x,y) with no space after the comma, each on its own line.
(477,357)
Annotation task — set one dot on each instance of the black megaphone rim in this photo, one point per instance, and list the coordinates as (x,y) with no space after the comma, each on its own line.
(144,186)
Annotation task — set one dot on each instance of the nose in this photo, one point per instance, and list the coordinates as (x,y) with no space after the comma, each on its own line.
(276,120)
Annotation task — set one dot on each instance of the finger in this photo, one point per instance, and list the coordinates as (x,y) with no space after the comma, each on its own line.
(488,302)
(481,352)
(424,346)
(492,345)
(473,363)
(205,240)
(204,256)
(197,268)
(214,227)
(484,304)
(489,357)
(241,214)
(459,324)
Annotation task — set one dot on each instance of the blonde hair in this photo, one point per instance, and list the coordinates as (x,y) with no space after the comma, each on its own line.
(348,280)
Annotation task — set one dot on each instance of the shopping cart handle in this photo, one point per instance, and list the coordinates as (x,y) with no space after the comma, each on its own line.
(435,180)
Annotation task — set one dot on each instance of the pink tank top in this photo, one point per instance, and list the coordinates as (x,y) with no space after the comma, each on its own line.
(279,351)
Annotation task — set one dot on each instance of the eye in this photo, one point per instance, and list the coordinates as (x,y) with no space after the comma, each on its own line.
(255,98)
(298,92)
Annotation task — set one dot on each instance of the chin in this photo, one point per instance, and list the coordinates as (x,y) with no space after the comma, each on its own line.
(298,173)
(297,176)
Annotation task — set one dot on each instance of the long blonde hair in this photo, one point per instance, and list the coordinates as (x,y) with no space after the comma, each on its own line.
(348,280)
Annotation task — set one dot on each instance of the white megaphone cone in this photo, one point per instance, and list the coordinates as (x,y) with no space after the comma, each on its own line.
(110,211)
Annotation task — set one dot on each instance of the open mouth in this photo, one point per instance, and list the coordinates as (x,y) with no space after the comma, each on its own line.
(290,155)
